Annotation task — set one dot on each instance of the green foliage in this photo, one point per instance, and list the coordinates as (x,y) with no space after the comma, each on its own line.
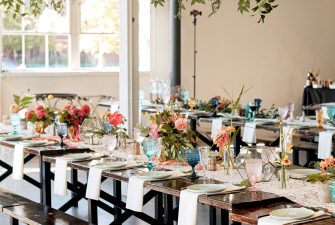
(317,177)
(245,183)
(22,102)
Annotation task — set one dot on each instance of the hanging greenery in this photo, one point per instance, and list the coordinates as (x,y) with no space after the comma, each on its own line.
(255,7)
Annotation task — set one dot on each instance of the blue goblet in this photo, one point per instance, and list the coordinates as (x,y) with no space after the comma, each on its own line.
(192,158)
(61,132)
(331,114)
(150,148)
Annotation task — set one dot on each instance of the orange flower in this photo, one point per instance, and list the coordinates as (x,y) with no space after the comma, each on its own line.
(286,161)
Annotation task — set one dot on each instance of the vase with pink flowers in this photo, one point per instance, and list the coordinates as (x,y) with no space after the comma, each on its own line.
(173,131)
(73,117)
(41,117)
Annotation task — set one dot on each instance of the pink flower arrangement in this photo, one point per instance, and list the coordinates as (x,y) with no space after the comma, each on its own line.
(115,119)
(154,131)
(181,124)
(40,114)
(327,164)
(74,116)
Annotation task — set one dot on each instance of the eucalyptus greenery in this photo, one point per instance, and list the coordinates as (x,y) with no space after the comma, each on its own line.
(256,7)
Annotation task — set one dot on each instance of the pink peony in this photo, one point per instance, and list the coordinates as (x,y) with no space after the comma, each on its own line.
(181,124)
(39,107)
(40,114)
(29,114)
(85,109)
(154,131)
(115,119)
(73,111)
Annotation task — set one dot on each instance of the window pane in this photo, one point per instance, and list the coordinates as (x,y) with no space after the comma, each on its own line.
(49,21)
(144,35)
(35,51)
(89,16)
(89,50)
(110,50)
(58,51)
(11,24)
(12,51)
(111,16)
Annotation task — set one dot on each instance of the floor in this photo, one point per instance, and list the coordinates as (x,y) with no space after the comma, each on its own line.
(29,191)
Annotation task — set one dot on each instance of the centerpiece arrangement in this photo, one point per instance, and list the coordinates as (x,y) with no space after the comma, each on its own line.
(41,117)
(73,117)
(172,130)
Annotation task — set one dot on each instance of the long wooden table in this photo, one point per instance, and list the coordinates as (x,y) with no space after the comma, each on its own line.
(244,206)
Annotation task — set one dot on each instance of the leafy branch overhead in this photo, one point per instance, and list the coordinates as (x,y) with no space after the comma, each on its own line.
(255,7)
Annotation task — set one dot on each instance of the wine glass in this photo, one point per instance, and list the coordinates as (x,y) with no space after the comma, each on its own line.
(253,168)
(150,148)
(62,132)
(204,153)
(253,107)
(192,158)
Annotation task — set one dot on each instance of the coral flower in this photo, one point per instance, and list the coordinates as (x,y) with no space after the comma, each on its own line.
(181,124)
(115,119)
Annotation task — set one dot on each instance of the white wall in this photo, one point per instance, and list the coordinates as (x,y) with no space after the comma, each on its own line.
(272,58)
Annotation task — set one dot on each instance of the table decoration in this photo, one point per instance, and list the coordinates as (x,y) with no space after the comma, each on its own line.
(204,159)
(74,117)
(41,117)
(18,105)
(192,158)
(172,129)
(151,147)
(327,172)
(61,129)
(331,114)
(89,131)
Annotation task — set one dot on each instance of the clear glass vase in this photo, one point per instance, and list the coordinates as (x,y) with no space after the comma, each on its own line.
(283,177)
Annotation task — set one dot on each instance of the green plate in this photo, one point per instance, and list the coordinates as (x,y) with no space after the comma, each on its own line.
(77,156)
(155,175)
(31,143)
(292,213)
(9,137)
(302,173)
(206,188)
(111,165)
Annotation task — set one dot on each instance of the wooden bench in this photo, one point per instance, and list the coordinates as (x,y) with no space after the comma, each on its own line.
(32,213)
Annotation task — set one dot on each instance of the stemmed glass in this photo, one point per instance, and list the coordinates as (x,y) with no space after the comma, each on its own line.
(192,158)
(62,132)
(204,153)
(150,148)
(253,106)
(253,168)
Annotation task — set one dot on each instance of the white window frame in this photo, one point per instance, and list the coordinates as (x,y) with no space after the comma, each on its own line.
(74,68)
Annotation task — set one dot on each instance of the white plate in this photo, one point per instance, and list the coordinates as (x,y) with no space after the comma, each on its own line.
(155,175)
(111,165)
(9,137)
(292,213)
(206,188)
(302,173)
(31,143)
(77,156)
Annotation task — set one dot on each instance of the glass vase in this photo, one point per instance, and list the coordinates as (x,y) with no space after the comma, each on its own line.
(73,132)
(15,121)
(283,177)
(331,190)
(228,160)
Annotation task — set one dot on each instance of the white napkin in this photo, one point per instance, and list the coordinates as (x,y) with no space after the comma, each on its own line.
(268,220)
(188,206)
(136,190)
(216,125)
(18,158)
(249,132)
(60,183)
(135,194)
(94,183)
(325,144)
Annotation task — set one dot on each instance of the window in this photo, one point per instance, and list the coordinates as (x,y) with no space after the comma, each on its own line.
(86,36)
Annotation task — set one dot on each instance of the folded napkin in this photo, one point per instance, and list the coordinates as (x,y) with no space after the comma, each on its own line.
(249,132)
(325,144)
(94,183)
(136,190)
(18,158)
(216,125)
(268,220)
(60,184)
(188,207)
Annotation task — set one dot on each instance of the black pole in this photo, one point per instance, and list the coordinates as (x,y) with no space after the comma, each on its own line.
(175,62)
(195,13)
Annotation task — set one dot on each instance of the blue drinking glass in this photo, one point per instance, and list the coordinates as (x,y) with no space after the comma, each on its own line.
(331,114)
(150,148)
(15,121)
(332,190)
(192,158)
(61,132)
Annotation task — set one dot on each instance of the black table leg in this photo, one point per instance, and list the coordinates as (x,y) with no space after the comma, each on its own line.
(212,215)
(158,207)
(168,209)
(45,179)
(236,223)
(14,221)
(295,156)
(92,211)
(237,142)
(74,181)
(224,217)
(118,195)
